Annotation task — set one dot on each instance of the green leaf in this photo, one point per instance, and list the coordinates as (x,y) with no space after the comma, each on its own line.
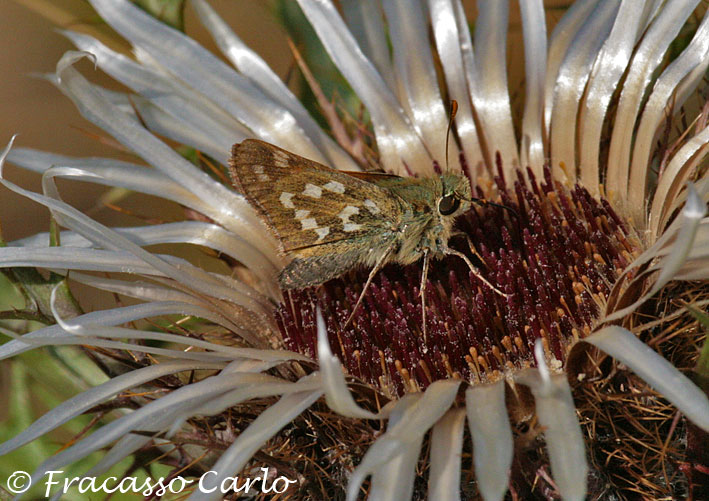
(54,240)
(317,59)
(39,292)
(38,381)
(170,12)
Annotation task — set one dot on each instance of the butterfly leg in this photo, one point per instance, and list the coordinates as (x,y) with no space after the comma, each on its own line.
(453,252)
(471,246)
(380,264)
(422,291)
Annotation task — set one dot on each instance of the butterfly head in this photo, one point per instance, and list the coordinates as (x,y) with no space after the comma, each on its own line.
(455,196)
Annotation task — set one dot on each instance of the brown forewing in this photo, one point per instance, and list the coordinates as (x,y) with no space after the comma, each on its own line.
(308,205)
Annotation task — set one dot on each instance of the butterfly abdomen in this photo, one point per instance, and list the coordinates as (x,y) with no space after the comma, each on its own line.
(309,272)
(321,267)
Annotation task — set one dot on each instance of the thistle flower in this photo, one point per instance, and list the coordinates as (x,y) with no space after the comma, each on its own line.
(605,177)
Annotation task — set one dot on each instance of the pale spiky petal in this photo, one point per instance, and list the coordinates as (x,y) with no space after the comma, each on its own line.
(337,395)
(258,386)
(266,425)
(491,97)
(670,185)
(228,207)
(570,83)
(41,161)
(118,452)
(192,232)
(183,104)
(73,218)
(693,60)
(646,58)
(393,460)
(94,259)
(71,408)
(397,140)
(661,375)
(80,334)
(96,342)
(492,438)
(141,179)
(79,331)
(204,72)
(416,72)
(54,334)
(154,416)
(367,25)
(253,67)
(107,171)
(608,68)
(446,450)
(697,265)
(449,31)
(114,316)
(402,467)
(166,125)
(692,244)
(535,62)
(418,413)
(561,39)
(138,289)
(694,211)
(557,414)
(58,258)
(131,443)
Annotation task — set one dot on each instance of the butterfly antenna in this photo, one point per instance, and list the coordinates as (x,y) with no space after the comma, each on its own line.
(454,111)
(482,202)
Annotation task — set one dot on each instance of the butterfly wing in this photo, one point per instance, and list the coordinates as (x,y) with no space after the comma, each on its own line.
(325,219)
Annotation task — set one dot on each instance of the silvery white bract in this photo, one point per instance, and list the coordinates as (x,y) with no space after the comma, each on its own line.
(391,53)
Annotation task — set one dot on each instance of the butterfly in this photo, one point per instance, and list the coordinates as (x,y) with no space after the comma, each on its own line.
(330,222)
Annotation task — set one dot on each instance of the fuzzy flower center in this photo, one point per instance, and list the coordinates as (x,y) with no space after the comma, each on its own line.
(556,261)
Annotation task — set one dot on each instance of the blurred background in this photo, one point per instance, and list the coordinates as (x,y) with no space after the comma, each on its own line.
(44,119)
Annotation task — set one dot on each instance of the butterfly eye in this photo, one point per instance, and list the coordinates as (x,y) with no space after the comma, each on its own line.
(448,204)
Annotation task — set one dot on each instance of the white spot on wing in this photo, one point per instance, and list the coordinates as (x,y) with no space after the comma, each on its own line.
(312,191)
(286,200)
(348,211)
(371,206)
(309,224)
(322,232)
(345,215)
(335,187)
(259,170)
(280,158)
